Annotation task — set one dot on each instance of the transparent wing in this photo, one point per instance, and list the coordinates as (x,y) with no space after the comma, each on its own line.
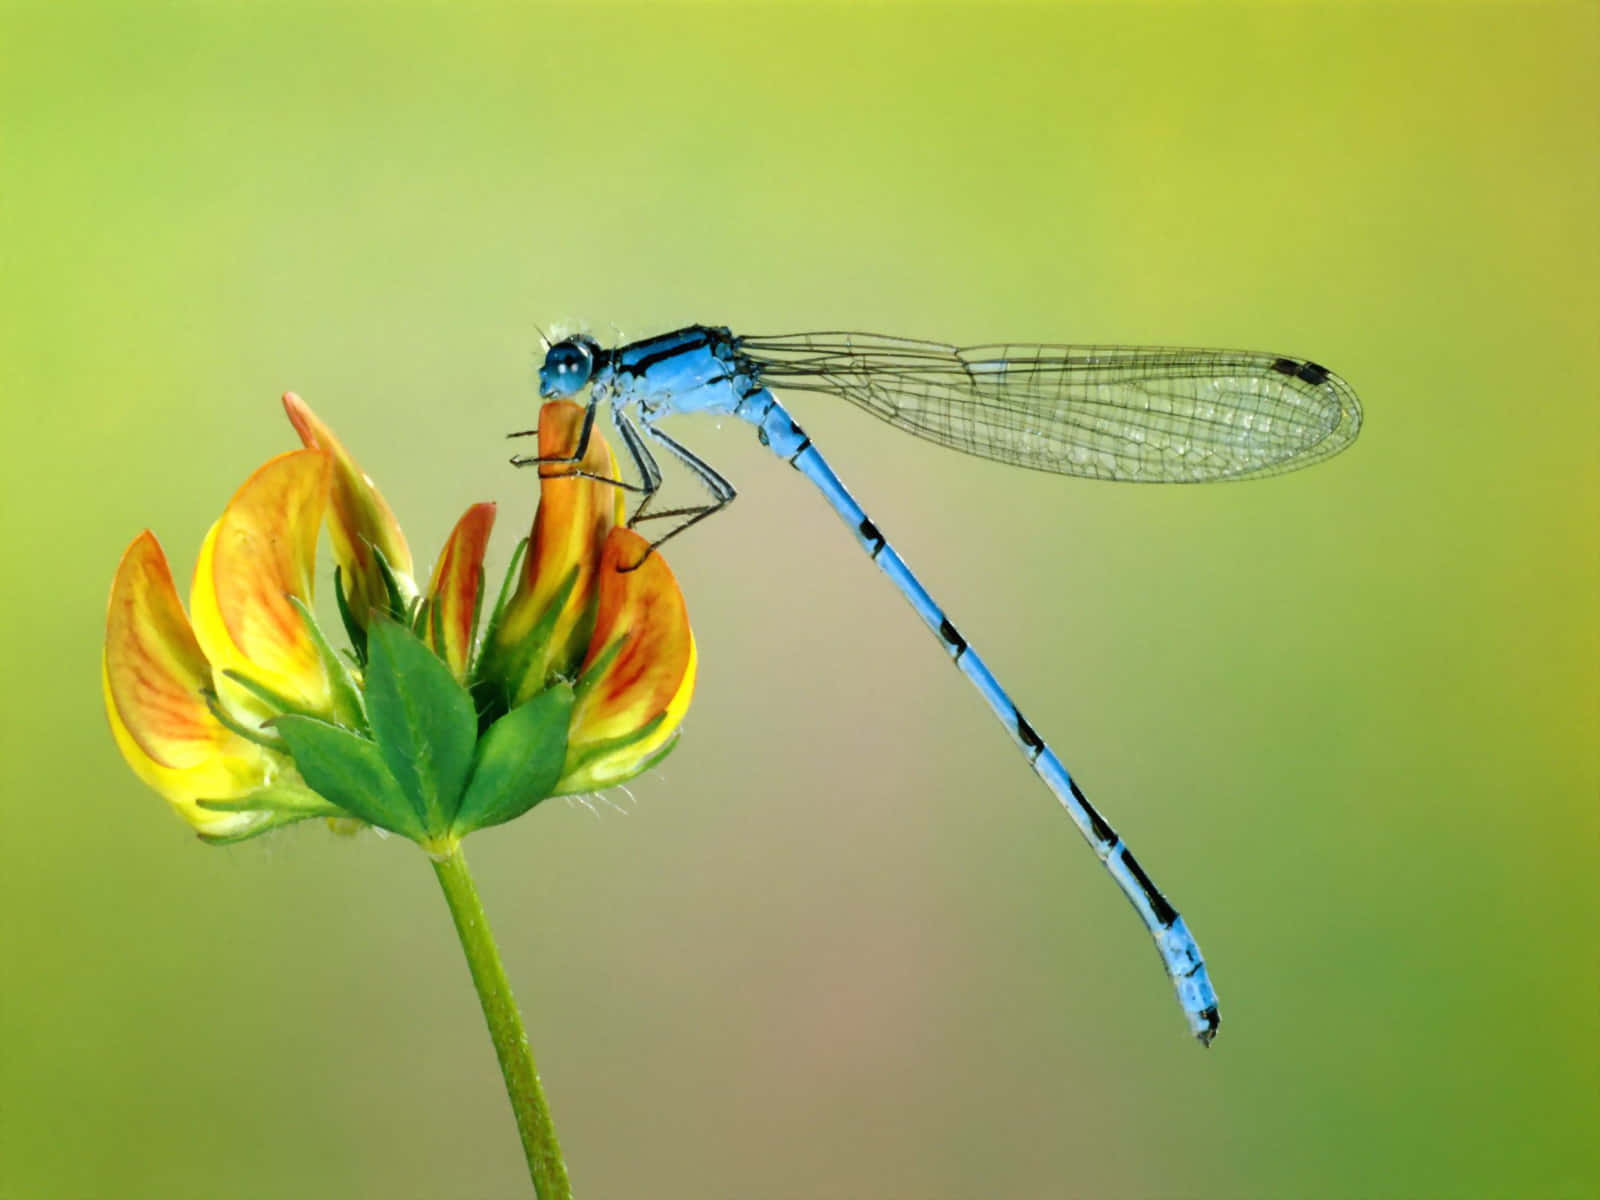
(1155,415)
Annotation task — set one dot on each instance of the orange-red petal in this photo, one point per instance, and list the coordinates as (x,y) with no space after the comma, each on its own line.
(154,675)
(643,624)
(360,519)
(456,589)
(257,560)
(569,528)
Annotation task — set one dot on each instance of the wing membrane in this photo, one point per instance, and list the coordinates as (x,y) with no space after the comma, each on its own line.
(1169,415)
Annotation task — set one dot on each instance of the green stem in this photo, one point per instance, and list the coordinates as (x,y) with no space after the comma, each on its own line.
(545,1168)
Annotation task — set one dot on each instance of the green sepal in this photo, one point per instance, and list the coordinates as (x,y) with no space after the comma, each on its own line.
(269,821)
(656,759)
(279,804)
(423,722)
(272,699)
(487,684)
(539,636)
(391,587)
(598,667)
(585,758)
(518,762)
(268,741)
(353,628)
(429,621)
(504,671)
(349,770)
(507,586)
(280,797)
(343,696)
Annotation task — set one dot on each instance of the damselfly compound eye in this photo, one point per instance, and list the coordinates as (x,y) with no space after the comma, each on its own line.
(567,367)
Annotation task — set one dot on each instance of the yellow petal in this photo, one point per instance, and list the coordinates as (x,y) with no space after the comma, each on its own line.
(643,626)
(361,519)
(569,528)
(154,674)
(259,556)
(456,590)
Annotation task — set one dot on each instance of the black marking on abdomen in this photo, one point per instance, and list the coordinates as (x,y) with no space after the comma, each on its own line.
(804,446)
(953,638)
(1103,832)
(869,533)
(1165,914)
(1030,739)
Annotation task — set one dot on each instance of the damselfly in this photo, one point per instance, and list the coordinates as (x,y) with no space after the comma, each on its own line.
(1106,412)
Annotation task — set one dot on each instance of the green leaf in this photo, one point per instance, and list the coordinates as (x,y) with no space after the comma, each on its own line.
(519,760)
(350,771)
(422,720)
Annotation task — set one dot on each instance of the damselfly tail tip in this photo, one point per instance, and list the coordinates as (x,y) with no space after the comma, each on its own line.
(1205,1025)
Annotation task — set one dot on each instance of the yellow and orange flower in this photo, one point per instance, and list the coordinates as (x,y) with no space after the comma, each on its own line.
(246,718)
(546,625)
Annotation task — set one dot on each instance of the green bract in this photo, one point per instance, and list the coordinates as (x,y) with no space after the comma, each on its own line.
(424,772)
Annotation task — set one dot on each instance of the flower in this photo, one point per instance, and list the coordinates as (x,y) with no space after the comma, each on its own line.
(155,678)
(244,718)
(638,674)
(595,607)
(545,627)
(363,529)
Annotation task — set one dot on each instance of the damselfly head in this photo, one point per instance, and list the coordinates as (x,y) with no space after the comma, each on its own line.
(567,366)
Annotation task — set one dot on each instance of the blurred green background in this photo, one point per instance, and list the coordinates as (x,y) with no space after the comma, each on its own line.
(841,944)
